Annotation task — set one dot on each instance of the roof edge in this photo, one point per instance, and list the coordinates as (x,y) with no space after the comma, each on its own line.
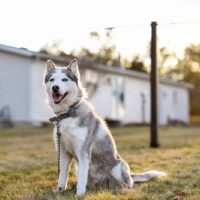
(93,66)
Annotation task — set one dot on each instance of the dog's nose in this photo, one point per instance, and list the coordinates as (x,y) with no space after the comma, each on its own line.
(55,88)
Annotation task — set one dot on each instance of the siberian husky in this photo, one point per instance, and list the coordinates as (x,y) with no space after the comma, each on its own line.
(84,135)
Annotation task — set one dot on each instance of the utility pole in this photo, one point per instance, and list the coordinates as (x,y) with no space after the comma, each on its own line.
(154,86)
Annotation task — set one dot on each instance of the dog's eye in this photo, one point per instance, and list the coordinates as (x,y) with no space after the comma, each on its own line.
(65,79)
(51,79)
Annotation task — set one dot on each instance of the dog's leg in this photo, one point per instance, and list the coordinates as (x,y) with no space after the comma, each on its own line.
(65,161)
(82,175)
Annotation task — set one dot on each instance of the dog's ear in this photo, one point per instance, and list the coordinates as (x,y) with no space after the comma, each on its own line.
(50,66)
(73,66)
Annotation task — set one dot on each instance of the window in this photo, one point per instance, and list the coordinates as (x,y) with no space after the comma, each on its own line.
(117,97)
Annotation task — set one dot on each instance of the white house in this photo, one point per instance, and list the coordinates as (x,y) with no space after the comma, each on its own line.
(116,93)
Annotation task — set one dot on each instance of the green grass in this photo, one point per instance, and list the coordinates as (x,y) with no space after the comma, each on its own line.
(28,166)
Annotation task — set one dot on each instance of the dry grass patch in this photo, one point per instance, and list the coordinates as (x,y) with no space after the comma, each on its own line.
(28,164)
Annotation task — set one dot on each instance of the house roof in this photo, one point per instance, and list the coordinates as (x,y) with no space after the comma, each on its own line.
(91,65)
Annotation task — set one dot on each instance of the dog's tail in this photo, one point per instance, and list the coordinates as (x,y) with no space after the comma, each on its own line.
(146,176)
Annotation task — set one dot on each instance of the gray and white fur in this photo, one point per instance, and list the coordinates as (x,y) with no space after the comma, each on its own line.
(85,137)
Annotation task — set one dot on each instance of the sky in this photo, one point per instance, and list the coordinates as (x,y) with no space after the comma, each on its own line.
(33,23)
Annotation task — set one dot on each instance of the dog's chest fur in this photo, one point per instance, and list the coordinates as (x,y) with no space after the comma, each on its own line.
(73,136)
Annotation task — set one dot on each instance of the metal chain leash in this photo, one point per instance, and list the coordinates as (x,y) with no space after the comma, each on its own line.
(58,143)
(71,113)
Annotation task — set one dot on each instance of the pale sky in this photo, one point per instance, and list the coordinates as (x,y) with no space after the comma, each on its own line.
(32,23)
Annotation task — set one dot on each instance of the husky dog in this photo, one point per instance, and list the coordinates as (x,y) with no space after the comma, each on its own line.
(84,135)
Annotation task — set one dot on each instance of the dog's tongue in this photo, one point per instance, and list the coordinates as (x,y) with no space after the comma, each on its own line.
(57,98)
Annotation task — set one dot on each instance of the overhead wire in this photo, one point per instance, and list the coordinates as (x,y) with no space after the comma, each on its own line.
(147,25)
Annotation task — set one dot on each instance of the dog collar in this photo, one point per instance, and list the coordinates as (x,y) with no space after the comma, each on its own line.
(72,112)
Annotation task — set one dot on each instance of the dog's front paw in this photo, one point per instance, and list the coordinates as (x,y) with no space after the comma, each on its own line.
(80,193)
(79,196)
(81,190)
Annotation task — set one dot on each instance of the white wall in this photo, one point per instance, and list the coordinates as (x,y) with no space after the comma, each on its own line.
(133,104)
(168,107)
(173,103)
(40,111)
(132,99)
(14,86)
(101,100)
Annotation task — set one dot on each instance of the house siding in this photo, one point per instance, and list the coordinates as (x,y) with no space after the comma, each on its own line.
(40,111)
(101,100)
(14,86)
(134,88)
(173,104)
(22,89)
(137,101)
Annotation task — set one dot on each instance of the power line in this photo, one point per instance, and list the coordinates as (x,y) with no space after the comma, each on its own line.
(179,23)
(127,26)
(148,25)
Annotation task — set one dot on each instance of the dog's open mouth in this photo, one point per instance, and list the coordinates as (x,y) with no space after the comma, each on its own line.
(57,97)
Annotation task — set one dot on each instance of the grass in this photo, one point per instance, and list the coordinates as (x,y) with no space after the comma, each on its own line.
(28,166)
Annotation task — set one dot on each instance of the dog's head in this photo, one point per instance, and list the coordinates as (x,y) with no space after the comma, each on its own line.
(63,84)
